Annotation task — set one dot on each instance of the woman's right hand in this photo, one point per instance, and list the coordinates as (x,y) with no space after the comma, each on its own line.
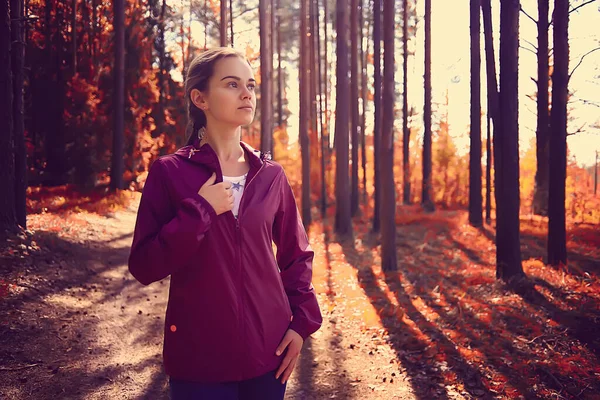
(219,196)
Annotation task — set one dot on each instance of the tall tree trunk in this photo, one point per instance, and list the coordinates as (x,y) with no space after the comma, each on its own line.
(304,112)
(426,190)
(94,34)
(596,174)
(18,77)
(540,193)
(343,217)
(324,133)
(508,250)
(377,112)
(405,130)
(279,72)
(326,70)
(492,100)
(388,186)
(223,23)
(354,103)
(161,72)
(231,23)
(74,36)
(488,168)
(117,167)
(266,76)
(363,95)
(557,241)
(8,218)
(475,200)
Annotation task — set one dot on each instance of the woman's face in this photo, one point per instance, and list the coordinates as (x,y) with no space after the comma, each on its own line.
(230,98)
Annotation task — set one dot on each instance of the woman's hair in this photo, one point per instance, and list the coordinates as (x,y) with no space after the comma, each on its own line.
(199,72)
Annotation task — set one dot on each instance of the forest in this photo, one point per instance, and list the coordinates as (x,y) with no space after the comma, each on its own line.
(443,157)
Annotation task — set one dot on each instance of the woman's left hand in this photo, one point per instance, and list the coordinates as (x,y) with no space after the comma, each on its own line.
(293,342)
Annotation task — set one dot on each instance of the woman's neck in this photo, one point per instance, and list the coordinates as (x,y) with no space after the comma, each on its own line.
(225,142)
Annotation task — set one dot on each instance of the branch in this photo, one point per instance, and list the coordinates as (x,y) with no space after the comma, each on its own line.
(581,60)
(581,5)
(531,44)
(528,49)
(577,131)
(530,17)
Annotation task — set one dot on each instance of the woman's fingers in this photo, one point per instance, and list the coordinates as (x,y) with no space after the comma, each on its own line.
(288,371)
(284,364)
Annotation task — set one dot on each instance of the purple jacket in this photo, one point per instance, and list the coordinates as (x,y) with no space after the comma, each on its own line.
(230,299)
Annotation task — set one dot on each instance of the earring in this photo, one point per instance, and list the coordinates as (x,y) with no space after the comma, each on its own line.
(201,133)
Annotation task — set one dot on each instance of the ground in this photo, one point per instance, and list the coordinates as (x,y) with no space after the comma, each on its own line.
(76,325)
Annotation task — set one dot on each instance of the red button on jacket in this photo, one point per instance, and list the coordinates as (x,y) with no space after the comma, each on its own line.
(230,298)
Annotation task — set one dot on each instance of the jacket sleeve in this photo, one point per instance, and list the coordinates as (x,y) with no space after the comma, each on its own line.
(164,239)
(295,257)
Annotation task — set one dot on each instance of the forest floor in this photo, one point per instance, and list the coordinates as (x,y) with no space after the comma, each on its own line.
(74,324)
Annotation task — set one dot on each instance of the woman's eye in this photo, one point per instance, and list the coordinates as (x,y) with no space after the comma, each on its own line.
(251,87)
(233,84)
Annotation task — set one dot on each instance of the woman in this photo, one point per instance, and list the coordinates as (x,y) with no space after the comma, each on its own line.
(237,316)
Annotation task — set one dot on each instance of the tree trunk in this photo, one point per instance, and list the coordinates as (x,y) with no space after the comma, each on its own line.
(426,192)
(324,133)
(343,221)
(231,22)
(363,95)
(18,77)
(223,23)
(475,200)
(405,130)
(388,186)
(266,76)
(117,167)
(508,250)
(488,168)
(354,103)
(161,72)
(557,242)
(377,112)
(279,75)
(540,193)
(8,220)
(304,112)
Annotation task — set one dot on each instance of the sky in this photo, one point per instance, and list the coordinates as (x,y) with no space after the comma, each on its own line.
(450,72)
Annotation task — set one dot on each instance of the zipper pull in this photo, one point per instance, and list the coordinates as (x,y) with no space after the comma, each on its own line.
(192,152)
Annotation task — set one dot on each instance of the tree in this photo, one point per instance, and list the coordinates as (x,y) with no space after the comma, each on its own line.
(388,201)
(363,94)
(343,218)
(223,23)
(304,112)
(18,76)
(557,241)
(508,250)
(405,130)
(377,111)
(354,103)
(540,194)
(475,200)
(117,166)
(7,157)
(266,76)
(426,190)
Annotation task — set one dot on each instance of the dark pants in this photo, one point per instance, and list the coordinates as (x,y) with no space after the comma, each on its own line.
(264,387)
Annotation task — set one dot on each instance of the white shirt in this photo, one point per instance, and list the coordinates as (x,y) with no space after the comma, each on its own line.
(237,186)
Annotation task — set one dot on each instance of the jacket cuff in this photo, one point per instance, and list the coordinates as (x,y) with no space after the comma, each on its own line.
(302,327)
(200,205)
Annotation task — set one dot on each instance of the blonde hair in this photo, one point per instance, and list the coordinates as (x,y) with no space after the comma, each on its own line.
(199,73)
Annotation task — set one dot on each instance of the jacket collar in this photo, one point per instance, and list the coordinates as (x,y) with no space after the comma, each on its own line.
(205,155)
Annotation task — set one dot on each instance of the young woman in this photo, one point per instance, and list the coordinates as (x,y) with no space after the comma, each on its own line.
(237,316)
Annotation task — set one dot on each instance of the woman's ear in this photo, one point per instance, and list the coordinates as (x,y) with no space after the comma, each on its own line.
(198,99)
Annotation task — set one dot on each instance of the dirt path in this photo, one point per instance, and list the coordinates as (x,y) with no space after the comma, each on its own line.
(78,325)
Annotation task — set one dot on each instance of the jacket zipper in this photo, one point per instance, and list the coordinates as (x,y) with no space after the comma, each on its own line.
(238,233)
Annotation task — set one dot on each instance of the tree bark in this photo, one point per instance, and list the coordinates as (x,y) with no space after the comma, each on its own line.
(18,77)
(324,134)
(557,241)
(475,200)
(223,23)
(405,130)
(488,168)
(508,250)
(343,221)
(354,103)
(8,220)
(279,72)
(377,113)
(540,193)
(388,186)
(426,191)
(363,95)
(117,167)
(304,112)
(266,76)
